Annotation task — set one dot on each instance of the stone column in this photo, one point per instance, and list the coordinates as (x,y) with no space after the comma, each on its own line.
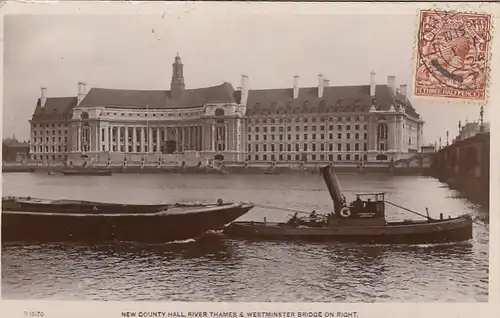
(157,139)
(118,138)
(134,139)
(212,138)
(79,138)
(143,141)
(106,139)
(125,141)
(150,140)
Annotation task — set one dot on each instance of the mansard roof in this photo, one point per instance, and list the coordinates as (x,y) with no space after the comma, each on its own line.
(335,99)
(158,99)
(55,108)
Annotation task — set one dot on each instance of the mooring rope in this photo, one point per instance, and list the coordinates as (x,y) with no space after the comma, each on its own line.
(406,209)
(271,207)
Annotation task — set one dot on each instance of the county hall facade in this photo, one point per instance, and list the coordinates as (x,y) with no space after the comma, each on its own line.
(296,125)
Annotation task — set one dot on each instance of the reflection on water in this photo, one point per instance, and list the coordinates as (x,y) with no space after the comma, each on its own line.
(218,269)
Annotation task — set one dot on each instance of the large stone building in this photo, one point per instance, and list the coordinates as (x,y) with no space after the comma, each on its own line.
(374,123)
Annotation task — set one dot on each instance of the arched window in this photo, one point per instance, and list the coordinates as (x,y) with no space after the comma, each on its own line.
(382,131)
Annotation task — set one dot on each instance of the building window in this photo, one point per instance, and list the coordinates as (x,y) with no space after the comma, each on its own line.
(264,148)
(313,157)
(348,127)
(264,157)
(356,157)
(330,147)
(281,137)
(339,136)
(297,137)
(314,136)
(305,136)
(305,128)
(305,147)
(249,129)
(288,157)
(272,137)
(272,148)
(356,136)
(339,157)
(365,136)
(365,157)
(256,157)
(382,146)
(249,148)
(249,137)
(339,147)
(365,146)
(322,136)
(273,158)
(281,157)
(281,147)
(321,157)
(347,157)
(256,137)
(256,148)
(296,147)
(314,127)
(322,147)
(356,127)
(297,157)
(356,147)
(348,136)
(264,137)
(348,147)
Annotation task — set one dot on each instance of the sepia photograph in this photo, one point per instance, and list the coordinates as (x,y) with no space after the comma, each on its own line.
(225,153)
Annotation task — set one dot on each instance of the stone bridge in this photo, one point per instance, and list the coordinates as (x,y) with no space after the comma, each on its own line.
(465,166)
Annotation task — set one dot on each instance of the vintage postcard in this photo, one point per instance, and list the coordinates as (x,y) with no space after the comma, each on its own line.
(249,160)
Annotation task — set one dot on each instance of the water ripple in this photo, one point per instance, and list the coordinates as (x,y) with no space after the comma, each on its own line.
(217,269)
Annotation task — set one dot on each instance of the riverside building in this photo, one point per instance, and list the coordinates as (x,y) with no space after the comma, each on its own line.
(296,125)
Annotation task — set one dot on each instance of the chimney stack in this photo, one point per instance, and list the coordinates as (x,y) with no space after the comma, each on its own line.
(320,85)
(372,83)
(82,91)
(43,96)
(244,90)
(403,90)
(326,82)
(296,86)
(391,82)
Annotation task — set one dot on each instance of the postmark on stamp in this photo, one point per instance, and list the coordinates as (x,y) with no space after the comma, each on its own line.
(452,55)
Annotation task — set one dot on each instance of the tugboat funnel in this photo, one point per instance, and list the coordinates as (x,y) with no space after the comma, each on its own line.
(333,185)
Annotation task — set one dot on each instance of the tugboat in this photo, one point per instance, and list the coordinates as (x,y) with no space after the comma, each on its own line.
(362,221)
(26,219)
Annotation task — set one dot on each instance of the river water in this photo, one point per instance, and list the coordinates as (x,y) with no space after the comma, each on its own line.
(217,269)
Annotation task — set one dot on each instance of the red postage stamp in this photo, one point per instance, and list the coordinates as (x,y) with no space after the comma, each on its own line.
(452,55)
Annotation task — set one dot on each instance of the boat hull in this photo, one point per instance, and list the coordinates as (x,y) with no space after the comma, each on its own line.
(87,172)
(445,231)
(170,225)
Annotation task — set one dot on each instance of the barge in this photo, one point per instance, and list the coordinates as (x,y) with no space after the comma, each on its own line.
(26,219)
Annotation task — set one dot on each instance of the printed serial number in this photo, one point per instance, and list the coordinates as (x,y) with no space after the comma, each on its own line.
(33,313)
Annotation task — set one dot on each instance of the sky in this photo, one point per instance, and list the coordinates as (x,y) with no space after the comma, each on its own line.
(137,51)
